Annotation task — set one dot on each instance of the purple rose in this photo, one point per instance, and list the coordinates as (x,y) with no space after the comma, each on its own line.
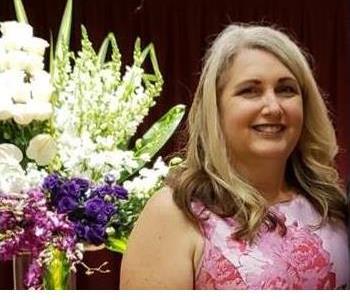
(52,183)
(94,206)
(83,184)
(120,192)
(109,210)
(101,218)
(110,190)
(96,234)
(66,204)
(81,230)
(71,188)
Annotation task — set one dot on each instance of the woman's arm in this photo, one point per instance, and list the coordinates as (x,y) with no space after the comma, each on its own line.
(160,249)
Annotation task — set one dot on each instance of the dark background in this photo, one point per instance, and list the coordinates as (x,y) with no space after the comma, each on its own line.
(181,31)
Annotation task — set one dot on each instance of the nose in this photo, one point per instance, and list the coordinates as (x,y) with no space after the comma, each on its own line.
(272,105)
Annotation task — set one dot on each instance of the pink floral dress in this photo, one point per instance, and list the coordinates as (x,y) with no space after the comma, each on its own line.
(302,258)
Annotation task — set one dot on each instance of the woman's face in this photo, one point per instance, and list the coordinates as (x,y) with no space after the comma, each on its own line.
(261,107)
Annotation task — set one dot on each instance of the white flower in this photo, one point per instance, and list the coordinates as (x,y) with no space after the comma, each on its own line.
(34,176)
(12,179)
(41,110)
(16,60)
(21,31)
(22,93)
(5,107)
(10,150)
(36,45)
(22,114)
(34,63)
(41,86)
(42,149)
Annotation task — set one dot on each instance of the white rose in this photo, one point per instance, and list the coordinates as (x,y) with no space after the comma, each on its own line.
(12,43)
(10,80)
(34,63)
(19,30)
(42,149)
(22,93)
(16,60)
(10,150)
(41,86)
(41,110)
(6,106)
(36,45)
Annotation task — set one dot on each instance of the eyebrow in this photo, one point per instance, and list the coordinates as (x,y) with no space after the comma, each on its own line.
(257,81)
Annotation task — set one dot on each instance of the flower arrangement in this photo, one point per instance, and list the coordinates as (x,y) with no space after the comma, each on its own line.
(80,180)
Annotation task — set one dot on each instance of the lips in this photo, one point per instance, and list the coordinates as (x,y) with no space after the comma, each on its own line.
(269,128)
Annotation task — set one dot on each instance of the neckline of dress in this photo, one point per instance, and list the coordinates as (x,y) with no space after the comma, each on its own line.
(288,201)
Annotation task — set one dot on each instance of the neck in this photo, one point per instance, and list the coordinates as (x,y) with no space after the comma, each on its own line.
(268,177)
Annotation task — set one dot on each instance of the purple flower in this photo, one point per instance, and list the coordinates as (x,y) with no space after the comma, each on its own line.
(92,233)
(109,179)
(94,206)
(109,210)
(7,220)
(110,190)
(83,184)
(95,234)
(52,183)
(71,188)
(66,204)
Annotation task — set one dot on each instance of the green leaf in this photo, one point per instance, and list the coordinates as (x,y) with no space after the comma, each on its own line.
(102,52)
(56,273)
(116,244)
(20,12)
(156,137)
(52,56)
(65,28)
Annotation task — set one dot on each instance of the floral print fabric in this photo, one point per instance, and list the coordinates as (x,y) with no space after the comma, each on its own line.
(302,258)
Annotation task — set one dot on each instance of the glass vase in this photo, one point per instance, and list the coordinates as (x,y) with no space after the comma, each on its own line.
(21,265)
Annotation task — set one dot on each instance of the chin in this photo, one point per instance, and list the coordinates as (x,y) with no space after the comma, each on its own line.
(271,153)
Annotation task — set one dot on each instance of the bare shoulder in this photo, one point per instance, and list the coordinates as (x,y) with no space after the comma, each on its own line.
(162,207)
(160,248)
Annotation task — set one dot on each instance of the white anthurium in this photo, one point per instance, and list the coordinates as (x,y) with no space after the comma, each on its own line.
(22,114)
(42,148)
(36,45)
(21,31)
(11,150)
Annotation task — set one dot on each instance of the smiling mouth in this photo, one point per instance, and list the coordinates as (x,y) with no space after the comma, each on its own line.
(269,129)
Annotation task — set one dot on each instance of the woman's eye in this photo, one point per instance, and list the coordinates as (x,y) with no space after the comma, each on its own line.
(287,91)
(249,92)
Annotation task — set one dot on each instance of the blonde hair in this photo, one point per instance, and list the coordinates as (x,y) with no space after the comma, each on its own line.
(207,174)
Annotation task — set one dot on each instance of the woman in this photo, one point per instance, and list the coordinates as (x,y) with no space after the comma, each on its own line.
(256,204)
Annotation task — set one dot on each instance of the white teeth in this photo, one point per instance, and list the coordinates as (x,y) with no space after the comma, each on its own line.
(268,128)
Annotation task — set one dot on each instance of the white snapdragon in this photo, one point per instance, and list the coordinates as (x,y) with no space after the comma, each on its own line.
(148,180)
